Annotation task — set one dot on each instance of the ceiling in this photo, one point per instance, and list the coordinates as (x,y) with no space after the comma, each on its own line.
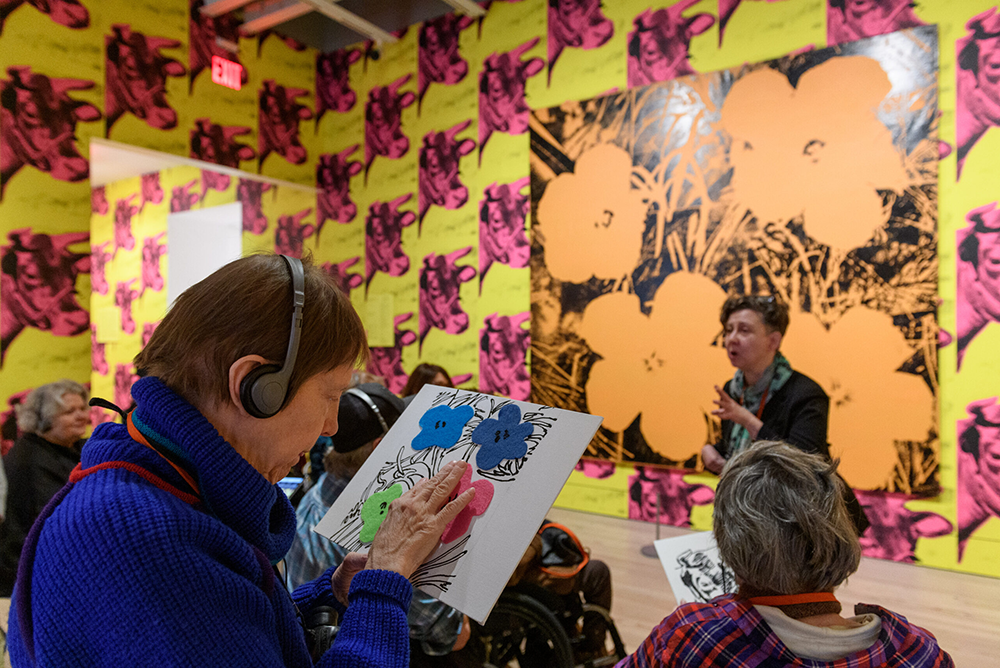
(334,24)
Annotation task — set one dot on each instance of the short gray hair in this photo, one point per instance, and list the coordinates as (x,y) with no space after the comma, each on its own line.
(36,413)
(781,522)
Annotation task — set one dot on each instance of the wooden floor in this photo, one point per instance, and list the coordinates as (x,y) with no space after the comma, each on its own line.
(962,611)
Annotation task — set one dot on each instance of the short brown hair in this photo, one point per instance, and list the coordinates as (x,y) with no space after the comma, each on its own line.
(245,308)
(772,310)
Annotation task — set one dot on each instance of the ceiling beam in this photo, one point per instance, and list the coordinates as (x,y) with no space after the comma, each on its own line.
(467,7)
(265,15)
(351,21)
(220,7)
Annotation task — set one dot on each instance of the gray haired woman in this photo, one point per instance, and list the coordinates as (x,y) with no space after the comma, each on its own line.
(52,420)
(782,526)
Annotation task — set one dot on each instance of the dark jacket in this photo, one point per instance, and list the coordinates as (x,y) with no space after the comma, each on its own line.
(798,414)
(36,470)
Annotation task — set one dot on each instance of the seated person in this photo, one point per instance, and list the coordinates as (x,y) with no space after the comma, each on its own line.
(557,561)
(425,374)
(783,527)
(366,414)
(767,399)
(52,419)
(159,550)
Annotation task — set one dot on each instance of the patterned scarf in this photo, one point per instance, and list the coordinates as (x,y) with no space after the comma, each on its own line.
(773,379)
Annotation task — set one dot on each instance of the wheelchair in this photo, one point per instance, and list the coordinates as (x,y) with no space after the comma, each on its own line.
(530,627)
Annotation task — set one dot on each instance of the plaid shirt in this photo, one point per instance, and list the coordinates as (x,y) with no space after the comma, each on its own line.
(433,624)
(731,633)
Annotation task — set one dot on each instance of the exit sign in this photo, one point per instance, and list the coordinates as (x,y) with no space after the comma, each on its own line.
(227,73)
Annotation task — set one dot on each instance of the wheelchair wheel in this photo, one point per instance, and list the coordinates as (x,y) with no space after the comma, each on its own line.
(522,632)
(617,652)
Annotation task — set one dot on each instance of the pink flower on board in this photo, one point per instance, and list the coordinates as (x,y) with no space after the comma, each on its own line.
(484,495)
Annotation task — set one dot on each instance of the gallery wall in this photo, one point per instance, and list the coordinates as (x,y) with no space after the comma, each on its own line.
(423,160)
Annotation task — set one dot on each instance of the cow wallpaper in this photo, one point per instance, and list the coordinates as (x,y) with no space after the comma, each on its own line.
(422,209)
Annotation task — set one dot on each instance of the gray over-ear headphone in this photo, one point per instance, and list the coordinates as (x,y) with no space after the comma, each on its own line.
(263,390)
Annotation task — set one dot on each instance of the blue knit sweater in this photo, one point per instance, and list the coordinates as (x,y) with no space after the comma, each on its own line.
(127,574)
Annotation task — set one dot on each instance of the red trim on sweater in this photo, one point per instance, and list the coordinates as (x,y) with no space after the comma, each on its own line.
(79,473)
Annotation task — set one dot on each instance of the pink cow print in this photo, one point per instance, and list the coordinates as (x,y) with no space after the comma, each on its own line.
(291,233)
(216,143)
(251,196)
(9,433)
(503,349)
(333,180)
(213,181)
(38,124)
(136,78)
(206,34)
(124,379)
(152,251)
(340,273)
(147,331)
(279,123)
(333,84)
(576,23)
(978,275)
(850,20)
(182,199)
(98,259)
(124,211)
(383,238)
(502,215)
(388,362)
(124,296)
(658,45)
(438,59)
(978,82)
(98,360)
(38,285)
(595,469)
(152,193)
(440,182)
(383,122)
(676,497)
(978,468)
(895,529)
(99,201)
(440,304)
(502,107)
(69,13)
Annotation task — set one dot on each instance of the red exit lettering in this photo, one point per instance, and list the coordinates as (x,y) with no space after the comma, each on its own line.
(227,73)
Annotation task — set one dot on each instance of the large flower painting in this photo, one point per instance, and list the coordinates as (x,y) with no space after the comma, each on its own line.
(812,178)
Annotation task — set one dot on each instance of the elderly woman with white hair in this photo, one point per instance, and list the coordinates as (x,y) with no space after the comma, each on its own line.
(52,420)
(782,525)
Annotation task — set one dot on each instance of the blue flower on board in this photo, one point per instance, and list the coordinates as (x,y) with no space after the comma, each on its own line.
(442,426)
(501,438)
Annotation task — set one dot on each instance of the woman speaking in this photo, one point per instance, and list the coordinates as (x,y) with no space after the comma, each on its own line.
(766,399)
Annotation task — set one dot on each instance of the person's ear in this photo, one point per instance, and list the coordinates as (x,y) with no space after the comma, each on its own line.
(774,340)
(239,370)
(374,444)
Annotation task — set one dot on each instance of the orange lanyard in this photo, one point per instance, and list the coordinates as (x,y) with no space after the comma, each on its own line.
(763,400)
(794,599)
(138,436)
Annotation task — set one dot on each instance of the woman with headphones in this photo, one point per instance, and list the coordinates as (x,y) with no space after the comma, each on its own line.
(160,551)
